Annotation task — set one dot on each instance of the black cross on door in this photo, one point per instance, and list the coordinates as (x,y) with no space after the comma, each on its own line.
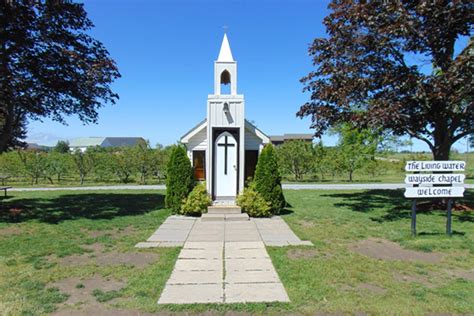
(225,145)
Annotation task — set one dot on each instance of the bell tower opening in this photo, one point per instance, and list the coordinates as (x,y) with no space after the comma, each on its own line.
(225,82)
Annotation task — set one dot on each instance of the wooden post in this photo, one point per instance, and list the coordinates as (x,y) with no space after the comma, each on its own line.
(448,219)
(413,218)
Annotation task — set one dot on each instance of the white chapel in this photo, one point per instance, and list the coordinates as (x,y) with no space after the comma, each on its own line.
(224,147)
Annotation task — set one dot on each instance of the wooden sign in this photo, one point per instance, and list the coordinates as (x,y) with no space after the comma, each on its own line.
(445,184)
(441,165)
(437,178)
(434,192)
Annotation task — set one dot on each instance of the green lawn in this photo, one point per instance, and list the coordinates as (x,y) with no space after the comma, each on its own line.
(45,238)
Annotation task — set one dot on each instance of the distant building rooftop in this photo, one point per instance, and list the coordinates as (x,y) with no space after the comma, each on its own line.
(85,142)
(279,139)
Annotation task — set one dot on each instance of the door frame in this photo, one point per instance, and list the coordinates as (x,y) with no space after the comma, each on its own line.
(235,132)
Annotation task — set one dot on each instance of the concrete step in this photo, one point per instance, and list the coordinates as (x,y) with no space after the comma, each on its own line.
(224,209)
(224,217)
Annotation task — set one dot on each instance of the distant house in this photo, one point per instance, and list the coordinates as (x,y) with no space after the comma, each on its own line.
(280,139)
(83,143)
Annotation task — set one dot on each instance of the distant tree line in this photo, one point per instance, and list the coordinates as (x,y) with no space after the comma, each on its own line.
(358,150)
(139,164)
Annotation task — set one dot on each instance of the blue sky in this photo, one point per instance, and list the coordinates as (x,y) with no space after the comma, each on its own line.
(165,51)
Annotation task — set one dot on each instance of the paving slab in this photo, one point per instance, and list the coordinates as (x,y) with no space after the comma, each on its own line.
(246,253)
(255,276)
(204,245)
(199,265)
(201,254)
(168,244)
(146,244)
(195,277)
(248,264)
(244,245)
(192,293)
(255,292)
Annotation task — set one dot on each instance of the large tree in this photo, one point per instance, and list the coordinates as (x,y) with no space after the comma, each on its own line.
(49,66)
(393,64)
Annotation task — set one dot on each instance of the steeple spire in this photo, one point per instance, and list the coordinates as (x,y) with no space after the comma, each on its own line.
(225,54)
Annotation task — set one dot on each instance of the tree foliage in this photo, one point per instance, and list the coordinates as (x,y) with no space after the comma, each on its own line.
(267,179)
(84,162)
(371,70)
(49,66)
(180,179)
(61,147)
(356,148)
(296,157)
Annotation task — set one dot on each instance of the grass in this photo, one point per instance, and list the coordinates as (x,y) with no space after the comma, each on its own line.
(60,224)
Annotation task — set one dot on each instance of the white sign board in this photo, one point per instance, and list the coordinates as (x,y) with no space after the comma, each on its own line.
(446,184)
(438,178)
(441,165)
(434,192)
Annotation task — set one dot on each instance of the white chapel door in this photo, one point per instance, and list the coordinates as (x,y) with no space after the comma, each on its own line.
(225,165)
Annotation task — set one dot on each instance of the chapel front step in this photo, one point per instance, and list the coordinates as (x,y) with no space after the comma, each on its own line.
(219,213)
(224,209)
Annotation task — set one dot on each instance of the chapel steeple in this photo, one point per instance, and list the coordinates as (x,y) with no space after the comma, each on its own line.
(225,69)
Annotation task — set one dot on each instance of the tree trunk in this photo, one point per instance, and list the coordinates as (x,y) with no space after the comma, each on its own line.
(442,140)
(441,151)
(350,175)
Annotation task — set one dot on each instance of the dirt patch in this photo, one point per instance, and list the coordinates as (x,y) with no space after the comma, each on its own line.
(114,233)
(80,290)
(463,274)
(388,250)
(413,278)
(302,253)
(371,288)
(99,310)
(306,224)
(375,289)
(136,259)
(94,248)
(82,302)
(98,255)
(10,231)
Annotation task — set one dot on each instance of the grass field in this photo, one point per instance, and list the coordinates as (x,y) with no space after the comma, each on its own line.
(58,247)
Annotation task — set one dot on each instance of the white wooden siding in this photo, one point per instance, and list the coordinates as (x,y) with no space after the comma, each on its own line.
(219,119)
(252,142)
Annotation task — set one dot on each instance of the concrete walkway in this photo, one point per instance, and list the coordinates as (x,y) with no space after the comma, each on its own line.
(223,272)
(286,186)
(223,262)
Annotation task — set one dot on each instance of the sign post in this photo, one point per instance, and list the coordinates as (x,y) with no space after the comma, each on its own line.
(443,182)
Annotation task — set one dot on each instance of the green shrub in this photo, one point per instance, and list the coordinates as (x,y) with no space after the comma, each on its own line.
(180,179)
(253,203)
(268,179)
(197,201)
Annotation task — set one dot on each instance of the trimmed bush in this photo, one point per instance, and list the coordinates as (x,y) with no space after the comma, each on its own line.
(268,179)
(253,203)
(197,201)
(180,179)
